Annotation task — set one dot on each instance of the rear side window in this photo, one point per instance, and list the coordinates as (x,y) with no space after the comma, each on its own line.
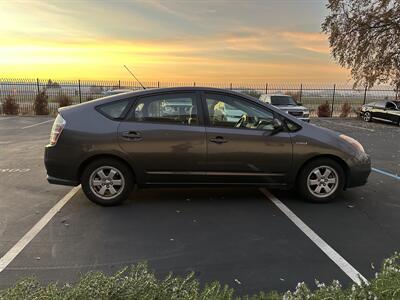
(114,110)
(179,108)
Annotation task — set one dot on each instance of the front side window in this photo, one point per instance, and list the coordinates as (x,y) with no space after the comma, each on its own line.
(390,105)
(232,112)
(169,108)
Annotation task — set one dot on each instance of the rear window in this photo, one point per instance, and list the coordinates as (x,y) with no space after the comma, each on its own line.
(113,110)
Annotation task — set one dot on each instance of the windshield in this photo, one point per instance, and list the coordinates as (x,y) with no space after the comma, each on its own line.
(282,100)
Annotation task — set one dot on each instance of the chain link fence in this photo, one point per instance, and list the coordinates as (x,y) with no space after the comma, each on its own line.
(23,93)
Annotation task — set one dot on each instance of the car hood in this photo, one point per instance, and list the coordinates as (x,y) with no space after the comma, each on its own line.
(291,107)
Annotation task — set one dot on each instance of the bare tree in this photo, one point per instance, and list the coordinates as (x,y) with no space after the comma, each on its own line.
(364,36)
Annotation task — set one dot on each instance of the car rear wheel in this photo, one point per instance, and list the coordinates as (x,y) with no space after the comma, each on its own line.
(321,180)
(107,182)
(367,116)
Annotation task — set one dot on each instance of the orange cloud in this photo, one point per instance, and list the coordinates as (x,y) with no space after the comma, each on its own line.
(311,41)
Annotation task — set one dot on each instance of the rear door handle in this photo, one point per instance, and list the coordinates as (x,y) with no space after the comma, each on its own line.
(218,140)
(131,135)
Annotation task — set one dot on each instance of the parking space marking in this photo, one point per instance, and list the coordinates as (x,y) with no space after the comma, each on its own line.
(7,118)
(386,173)
(28,237)
(348,269)
(348,125)
(36,124)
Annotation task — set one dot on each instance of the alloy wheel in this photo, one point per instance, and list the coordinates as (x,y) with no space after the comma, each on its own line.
(322,181)
(107,182)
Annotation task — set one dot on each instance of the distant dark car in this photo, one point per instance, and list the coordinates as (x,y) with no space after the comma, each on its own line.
(196,136)
(387,111)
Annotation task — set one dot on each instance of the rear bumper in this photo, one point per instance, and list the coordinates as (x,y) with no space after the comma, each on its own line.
(61,167)
(359,172)
(55,180)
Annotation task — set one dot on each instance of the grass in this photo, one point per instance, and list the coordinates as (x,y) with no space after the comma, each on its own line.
(137,282)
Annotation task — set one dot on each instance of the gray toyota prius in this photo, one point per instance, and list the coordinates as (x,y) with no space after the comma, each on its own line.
(194,136)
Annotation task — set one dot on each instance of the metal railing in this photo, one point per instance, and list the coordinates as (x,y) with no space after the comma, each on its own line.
(24,92)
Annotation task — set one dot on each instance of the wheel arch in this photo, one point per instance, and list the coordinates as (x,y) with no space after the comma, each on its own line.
(337,159)
(92,158)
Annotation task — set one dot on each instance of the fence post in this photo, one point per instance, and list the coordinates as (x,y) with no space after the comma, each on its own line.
(397,92)
(266,88)
(119,84)
(194,83)
(301,91)
(333,99)
(37,84)
(365,95)
(231,86)
(80,94)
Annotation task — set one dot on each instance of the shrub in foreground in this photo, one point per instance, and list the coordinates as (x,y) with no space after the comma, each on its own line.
(40,106)
(139,283)
(324,110)
(10,107)
(63,100)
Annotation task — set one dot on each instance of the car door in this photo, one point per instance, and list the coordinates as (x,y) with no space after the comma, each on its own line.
(165,137)
(391,112)
(242,146)
(378,111)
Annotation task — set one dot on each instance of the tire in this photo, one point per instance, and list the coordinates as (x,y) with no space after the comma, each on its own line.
(107,182)
(367,117)
(309,183)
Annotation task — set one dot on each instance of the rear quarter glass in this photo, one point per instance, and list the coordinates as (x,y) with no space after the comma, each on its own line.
(114,110)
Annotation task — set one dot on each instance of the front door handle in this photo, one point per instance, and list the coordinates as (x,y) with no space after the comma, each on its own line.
(131,135)
(218,140)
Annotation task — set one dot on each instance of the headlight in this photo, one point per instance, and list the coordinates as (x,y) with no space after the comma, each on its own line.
(356,144)
(306,113)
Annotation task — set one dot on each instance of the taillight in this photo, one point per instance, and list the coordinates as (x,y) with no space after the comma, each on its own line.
(56,130)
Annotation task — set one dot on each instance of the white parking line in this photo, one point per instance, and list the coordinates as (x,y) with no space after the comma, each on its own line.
(37,124)
(25,240)
(328,250)
(7,118)
(348,125)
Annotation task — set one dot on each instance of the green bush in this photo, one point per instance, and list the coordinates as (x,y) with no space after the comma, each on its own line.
(138,282)
(10,107)
(40,106)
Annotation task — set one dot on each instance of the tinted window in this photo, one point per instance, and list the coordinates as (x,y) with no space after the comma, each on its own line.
(397,103)
(282,100)
(380,104)
(226,111)
(169,108)
(114,110)
(390,105)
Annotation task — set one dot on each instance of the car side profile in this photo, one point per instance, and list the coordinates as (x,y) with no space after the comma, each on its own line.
(194,137)
(387,111)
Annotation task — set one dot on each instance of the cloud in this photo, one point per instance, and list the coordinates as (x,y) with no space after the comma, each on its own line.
(311,41)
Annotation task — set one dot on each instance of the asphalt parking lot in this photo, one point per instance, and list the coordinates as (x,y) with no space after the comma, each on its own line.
(237,236)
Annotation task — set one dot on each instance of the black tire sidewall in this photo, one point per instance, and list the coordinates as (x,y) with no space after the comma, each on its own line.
(122,167)
(369,119)
(305,171)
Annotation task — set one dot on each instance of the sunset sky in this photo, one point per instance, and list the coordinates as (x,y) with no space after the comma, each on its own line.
(204,41)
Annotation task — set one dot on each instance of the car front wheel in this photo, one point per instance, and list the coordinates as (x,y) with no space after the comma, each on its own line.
(321,180)
(367,116)
(107,182)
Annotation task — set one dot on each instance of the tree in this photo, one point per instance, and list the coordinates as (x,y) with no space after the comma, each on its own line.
(364,36)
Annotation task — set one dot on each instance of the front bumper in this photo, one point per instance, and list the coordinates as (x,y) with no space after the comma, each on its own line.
(359,172)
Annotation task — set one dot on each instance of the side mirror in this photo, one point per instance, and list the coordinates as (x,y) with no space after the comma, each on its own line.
(278,126)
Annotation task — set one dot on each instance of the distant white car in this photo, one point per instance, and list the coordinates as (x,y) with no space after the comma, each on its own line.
(288,105)
(115,92)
